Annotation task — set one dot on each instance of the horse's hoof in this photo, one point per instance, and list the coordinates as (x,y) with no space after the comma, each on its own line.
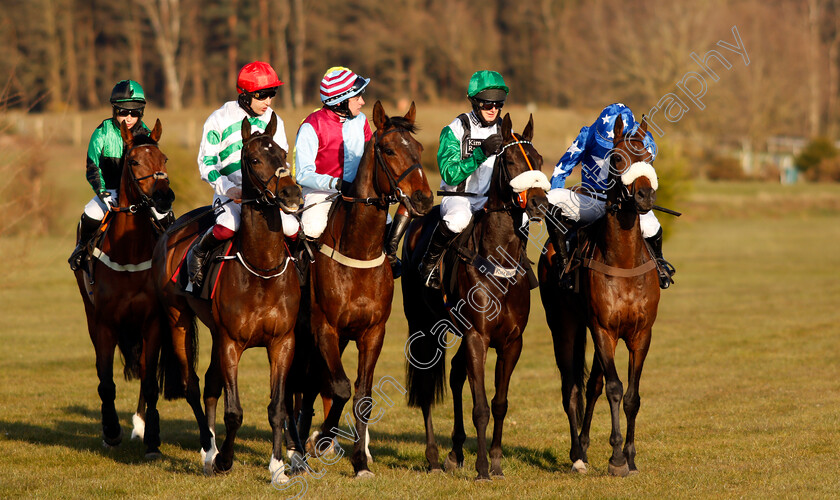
(450,465)
(297,462)
(497,475)
(153,454)
(112,442)
(580,466)
(139,429)
(218,469)
(483,479)
(633,472)
(435,470)
(365,474)
(620,470)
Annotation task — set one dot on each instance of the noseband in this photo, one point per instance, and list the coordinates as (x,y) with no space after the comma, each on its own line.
(519,199)
(625,193)
(145,200)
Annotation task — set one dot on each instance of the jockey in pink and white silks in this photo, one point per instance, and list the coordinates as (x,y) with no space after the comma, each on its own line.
(467,153)
(219,157)
(329,145)
(591,150)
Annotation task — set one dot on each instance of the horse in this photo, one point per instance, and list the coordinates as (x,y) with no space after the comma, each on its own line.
(118,292)
(618,299)
(351,284)
(497,300)
(255,302)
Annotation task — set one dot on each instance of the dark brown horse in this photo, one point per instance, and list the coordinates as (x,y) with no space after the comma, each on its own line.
(351,282)
(618,299)
(255,303)
(118,291)
(493,295)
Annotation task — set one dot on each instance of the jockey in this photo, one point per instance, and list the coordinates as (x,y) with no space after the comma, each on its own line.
(220,153)
(104,162)
(572,208)
(468,148)
(328,149)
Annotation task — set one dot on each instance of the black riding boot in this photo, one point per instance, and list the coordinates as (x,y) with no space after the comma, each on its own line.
(429,266)
(558,230)
(665,269)
(87,228)
(197,255)
(392,240)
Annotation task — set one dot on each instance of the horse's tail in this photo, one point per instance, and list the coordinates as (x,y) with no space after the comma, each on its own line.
(425,370)
(131,349)
(169,369)
(580,371)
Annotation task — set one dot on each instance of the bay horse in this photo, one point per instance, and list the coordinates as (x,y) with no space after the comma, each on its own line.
(255,302)
(118,291)
(618,299)
(351,285)
(492,309)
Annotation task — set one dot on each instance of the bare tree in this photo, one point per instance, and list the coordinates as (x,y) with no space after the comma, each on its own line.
(165,19)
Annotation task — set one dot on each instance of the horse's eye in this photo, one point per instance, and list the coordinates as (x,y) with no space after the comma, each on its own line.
(388,151)
(254,161)
(133,163)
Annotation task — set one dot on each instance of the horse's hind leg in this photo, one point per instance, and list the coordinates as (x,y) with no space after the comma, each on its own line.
(105,342)
(138,420)
(149,387)
(594,387)
(370,346)
(505,363)
(457,377)
(476,357)
(632,402)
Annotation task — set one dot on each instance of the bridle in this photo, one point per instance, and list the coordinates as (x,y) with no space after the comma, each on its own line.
(518,199)
(395,194)
(267,197)
(625,193)
(145,200)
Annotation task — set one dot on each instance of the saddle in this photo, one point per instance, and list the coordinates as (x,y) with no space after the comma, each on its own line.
(460,253)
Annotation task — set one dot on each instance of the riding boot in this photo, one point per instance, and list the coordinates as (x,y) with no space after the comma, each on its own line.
(665,269)
(87,228)
(429,266)
(558,228)
(197,255)
(393,235)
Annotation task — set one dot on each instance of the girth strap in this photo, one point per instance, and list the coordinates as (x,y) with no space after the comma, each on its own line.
(618,271)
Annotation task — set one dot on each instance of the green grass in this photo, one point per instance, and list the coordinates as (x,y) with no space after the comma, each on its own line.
(739,393)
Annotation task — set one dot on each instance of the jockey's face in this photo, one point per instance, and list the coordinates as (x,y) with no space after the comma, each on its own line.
(355,103)
(130,117)
(260,105)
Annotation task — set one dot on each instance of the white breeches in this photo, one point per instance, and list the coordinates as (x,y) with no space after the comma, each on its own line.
(456,211)
(586,209)
(95,208)
(229,215)
(314,220)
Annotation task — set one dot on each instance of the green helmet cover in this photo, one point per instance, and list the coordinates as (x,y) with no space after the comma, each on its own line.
(128,94)
(485,79)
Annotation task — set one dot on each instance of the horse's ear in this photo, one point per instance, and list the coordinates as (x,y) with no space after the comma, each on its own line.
(618,131)
(412,113)
(507,126)
(379,117)
(528,133)
(126,134)
(272,125)
(643,126)
(155,135)
(246,129)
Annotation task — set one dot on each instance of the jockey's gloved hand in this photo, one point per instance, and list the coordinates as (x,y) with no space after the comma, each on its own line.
(491,145)
(338,183)
(107,199)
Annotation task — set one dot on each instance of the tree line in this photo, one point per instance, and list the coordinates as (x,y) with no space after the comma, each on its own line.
(67,54)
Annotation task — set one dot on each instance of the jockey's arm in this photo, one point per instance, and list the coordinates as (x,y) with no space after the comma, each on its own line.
(209,162)
(570,159)
(453,170)
(94,155)
(306,150)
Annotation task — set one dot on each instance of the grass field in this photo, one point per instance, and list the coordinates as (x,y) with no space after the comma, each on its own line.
(740,393)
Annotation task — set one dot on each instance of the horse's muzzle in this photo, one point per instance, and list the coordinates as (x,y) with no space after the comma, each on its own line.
(290,197)
(163,199)
(644,199)
(421,204)
(537,204)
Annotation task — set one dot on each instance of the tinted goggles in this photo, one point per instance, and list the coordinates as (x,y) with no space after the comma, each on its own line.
(265,94)
(137,113)
(488,105)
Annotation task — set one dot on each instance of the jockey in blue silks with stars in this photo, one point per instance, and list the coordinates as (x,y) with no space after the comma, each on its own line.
(572,209)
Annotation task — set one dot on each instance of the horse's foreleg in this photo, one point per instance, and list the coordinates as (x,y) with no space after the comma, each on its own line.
(632,401)
(505,363)
(605,350)
(213,385)
(229,356)
(566,335)
(138,420)
(594,387)
(105,342)
(370,346)
(476,357)
(457,377)
(280,355)
(432,455)
(339,384)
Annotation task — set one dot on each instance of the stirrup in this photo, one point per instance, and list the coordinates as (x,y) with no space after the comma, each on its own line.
(666,273)
(433,279)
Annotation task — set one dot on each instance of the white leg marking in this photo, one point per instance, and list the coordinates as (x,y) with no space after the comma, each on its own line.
(139,429)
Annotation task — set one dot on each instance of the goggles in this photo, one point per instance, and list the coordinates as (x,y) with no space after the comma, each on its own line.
(263,94)
(137,113)
(488,105)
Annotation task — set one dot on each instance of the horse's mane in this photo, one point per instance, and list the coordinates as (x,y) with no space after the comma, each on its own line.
(402,123)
